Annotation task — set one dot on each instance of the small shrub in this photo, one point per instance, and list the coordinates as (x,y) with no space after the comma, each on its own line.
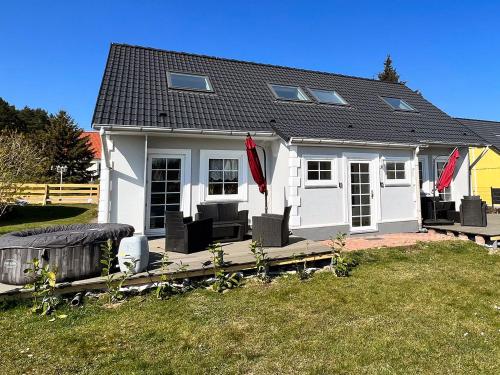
(340,265)
(165,288)
(223,281)
(113,282)
(261,261)
(43,282)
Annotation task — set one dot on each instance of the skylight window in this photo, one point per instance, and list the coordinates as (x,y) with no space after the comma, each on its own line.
(289,93)
(188,81)
(327,96)
(398,104)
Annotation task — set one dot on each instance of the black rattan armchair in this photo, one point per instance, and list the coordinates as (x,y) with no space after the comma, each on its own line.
(183,235)
(271,230)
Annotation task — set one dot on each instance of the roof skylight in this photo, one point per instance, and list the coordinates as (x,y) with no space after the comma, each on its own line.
(327,96)
(398,104)
(188,81)
(289,93)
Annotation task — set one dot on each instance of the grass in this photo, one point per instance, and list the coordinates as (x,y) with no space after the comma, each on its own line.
(428,309)
(40,216)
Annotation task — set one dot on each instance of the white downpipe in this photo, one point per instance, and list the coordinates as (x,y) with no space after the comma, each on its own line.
(104,201)
(417,186)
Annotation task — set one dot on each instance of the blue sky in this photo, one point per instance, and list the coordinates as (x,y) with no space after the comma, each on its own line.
(53,52)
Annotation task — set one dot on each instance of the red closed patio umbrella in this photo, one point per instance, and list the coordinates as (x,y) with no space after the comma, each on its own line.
(449,170)
(255,167)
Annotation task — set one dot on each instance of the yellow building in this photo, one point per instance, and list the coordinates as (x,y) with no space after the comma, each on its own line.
(486,173)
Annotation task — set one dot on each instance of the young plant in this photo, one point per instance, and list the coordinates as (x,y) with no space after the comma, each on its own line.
(223,281)
(43,282)
(165,288)
(261,261)
(339,265)
(113,282)
(301,267)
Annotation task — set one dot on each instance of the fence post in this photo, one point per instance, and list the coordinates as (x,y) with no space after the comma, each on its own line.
(45,195)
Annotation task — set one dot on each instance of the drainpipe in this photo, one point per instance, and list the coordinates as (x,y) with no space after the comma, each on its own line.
(104,202)
(416,151)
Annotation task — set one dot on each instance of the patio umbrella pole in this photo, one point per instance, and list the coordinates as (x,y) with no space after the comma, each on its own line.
(265,177)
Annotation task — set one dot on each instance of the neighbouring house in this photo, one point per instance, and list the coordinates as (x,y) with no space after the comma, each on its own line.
(486,173)
(94,143)
(346,153)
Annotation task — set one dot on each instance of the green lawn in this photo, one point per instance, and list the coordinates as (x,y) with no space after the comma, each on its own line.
(39,216)
(427,309)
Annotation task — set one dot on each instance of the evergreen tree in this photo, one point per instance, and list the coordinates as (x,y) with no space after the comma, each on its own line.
(8,117)
(389,74)
(33,120)
(66,147)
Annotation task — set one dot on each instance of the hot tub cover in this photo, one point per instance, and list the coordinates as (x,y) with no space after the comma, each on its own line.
(65,235)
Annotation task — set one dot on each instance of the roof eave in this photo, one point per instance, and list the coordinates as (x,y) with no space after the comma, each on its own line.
(347,142)
(184,131)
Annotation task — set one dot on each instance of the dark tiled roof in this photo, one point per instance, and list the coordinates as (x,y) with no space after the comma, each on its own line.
(489,130)
(134,92)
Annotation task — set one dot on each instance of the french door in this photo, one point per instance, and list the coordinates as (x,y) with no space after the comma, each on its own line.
(361,196)
(166,176)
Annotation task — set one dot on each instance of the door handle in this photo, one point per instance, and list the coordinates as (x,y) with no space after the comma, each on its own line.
(372,194)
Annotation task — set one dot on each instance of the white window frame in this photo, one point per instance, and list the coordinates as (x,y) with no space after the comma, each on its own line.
(332,182)
(401,181)
(242,195)
(185,205)
(442,159)
(426,188)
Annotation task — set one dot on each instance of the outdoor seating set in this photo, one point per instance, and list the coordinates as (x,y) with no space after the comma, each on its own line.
(222,222)
(472,211)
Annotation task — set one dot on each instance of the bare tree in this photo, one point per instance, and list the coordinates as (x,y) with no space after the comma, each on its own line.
(21,161)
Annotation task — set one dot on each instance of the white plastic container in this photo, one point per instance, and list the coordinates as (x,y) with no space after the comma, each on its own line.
(133,249)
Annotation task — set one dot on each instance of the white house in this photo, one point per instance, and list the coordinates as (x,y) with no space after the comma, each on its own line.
(347,153)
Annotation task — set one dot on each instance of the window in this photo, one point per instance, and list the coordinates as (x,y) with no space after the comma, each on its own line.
(223,175)
(188,81)
(319,171)
(398,104)
(289,93)
(327,96)
(439,165)
(397,171)
(421,173)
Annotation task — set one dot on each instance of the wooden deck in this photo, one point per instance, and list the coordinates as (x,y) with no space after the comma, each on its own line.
(490,233)
(237,257)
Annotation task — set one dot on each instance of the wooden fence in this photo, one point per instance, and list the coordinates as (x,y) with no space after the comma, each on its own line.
(60,193)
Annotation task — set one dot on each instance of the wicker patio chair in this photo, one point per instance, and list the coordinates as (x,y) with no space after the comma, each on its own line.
(271,230)
(183,235)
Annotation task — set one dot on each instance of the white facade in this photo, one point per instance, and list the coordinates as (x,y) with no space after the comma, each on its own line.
(355,189)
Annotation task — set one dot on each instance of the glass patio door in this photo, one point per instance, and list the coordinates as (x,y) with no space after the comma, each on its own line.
(165,181)
(361,196)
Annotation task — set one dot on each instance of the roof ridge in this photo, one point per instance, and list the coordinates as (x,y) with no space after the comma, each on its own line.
(473,119)
(257,63)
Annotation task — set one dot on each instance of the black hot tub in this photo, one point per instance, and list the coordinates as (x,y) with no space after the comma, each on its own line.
(74,250)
